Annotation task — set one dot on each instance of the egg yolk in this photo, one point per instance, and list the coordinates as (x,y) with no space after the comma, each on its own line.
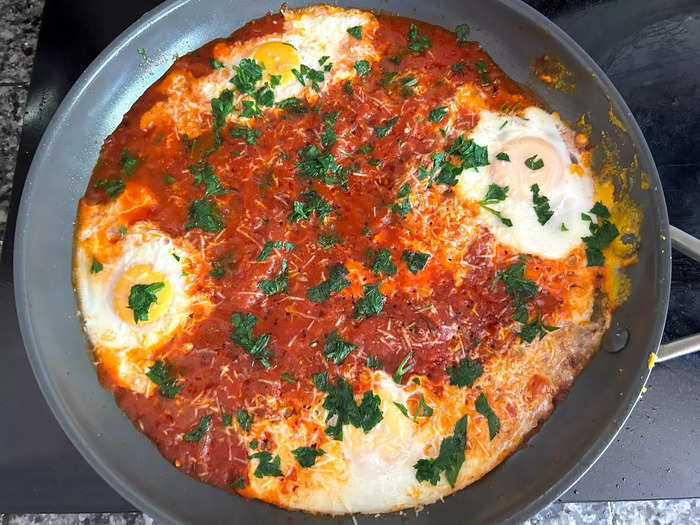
(279,58)
(141,274)
(519,177)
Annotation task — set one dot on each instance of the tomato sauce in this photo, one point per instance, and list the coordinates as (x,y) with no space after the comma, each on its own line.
(435,328)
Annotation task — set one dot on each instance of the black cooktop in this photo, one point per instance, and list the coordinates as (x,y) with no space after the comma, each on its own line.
(650,50)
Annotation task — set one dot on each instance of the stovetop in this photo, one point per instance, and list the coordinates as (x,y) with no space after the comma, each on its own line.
(651,52)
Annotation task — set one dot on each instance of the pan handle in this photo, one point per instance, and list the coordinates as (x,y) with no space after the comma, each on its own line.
(690,246)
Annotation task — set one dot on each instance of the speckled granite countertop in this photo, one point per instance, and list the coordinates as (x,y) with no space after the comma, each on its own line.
(19,27)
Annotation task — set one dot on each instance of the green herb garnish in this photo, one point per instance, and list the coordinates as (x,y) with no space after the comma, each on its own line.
(205,174)
(245,420)
(204,215)
(243,336)
(160,374)
(278,283)
(198,432)
(96,266)
(494,195)
(113,187)
(380,261)
(483,408)
(266,465)
(465,373)
(355,31)
(336,281)
(362,67)
(337,349)
(275,245)
(403,368)
(306,456)
(141,297)
(541,205)
(415,261)
(402,206)
(371,304)
(449,459)
(462,31)
(128,162)
(437,114)
(533,164)
(384,129)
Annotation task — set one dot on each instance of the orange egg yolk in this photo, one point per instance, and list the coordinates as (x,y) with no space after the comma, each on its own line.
(518,176)
(279,58)
(141,274)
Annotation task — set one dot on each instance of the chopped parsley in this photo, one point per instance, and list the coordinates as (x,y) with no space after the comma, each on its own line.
(366,148)
(219,266)
(337,349)
(238,482)
(288,378)
(385,129)
(306,456)
(415,261)
(380,261)
(373,362)
(266,465)
(535,328)
(403,368)
(362,67)
(402,408)
(113,187)
(160,374)
(423,409)
(416,41)
(245,420)
(602,234)
(322,166)
(329,137)
(336,281)
(294,105)
(275,245)
(169,179)
(278,283)
(437,114)
(438,161)
(243,336)
(564,228)
(204,215)
(328,240)
(483,408)
(462,31)
(221,107)
(141,297)
(471,154)
(520,289)
(314,76)
(465,373)
(402,206)
(483,68)
(371,304)
(227,419)
(198,432)
(96,266)
(128,162)
(250,135)
(600,210)
(449,460)
(215,64)
(246,76)
(494,195)
(355,31)
(541,205)
(122,230)
(310,202)
(340,403)
(458,67)
(533,164)
(205,173)
(503,156)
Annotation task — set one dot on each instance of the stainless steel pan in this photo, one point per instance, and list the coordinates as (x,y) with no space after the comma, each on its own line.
(567,444)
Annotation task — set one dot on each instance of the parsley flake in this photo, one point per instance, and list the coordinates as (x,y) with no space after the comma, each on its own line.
(371,304)
(113,187)
(449,460)
(373,362)
(355,31)
(381,261)
(215,64)
(310,202)
(205,173)
(494,195)
(385,129)
(337,349)
(535,328)
(415,261)
(160,374)
(483,408)
(336,281)
(462,31)
(465,373)
(128,162)
(541,205)
(362,67)
(437,114)
(198,432)
(402,368)
(243,336)
(306,456)
(204,215)
(96,266)
(245,420)
(402,206)
(533,164)
(503,156)
(275,245)
(416,41)
(141,297)
(250,135)
(266,465)
(278,283)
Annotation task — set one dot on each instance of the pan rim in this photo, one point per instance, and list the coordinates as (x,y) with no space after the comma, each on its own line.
(58,404)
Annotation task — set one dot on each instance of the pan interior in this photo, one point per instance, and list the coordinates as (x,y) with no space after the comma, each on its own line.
(567,444)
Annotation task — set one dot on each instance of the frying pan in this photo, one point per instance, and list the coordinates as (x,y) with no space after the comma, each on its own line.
(567,444)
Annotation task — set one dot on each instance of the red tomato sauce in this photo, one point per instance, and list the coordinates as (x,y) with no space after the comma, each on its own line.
(263,184)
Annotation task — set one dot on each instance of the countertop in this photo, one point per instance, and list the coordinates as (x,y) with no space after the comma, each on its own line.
(19,26)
